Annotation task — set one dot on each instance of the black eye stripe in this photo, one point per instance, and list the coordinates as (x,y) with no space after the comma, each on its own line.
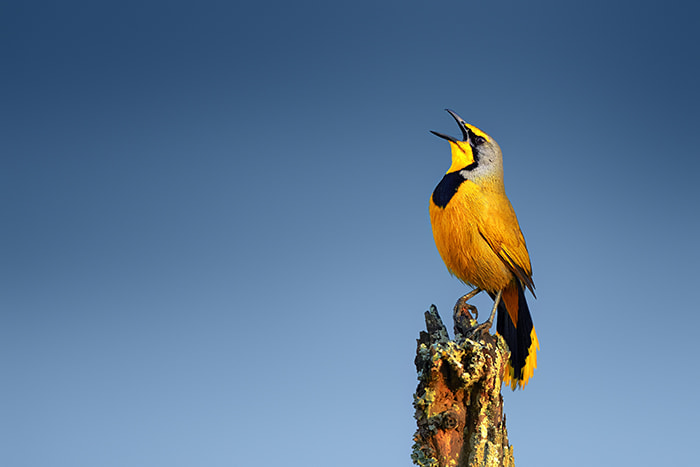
(475,139)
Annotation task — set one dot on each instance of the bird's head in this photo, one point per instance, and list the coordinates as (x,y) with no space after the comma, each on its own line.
(476,153)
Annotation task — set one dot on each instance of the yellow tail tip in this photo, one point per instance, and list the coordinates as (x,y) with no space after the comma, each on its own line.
(528,370)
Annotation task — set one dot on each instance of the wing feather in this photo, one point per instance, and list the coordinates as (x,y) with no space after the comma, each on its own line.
(501,231)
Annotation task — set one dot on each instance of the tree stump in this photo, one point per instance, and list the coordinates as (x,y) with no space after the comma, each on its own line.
(459,406)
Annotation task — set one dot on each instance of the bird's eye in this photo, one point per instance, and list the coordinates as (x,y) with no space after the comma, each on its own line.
(479,140)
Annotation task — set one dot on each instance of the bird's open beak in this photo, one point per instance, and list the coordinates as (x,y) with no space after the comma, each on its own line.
(462,126)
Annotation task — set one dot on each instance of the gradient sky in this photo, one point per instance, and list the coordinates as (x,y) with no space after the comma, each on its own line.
(216,248)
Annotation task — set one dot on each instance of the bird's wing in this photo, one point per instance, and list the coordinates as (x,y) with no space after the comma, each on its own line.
(501,231)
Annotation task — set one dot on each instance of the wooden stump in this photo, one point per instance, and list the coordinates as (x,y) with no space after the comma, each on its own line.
(459,406)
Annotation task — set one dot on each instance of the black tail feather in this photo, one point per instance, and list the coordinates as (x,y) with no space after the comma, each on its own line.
(518,338)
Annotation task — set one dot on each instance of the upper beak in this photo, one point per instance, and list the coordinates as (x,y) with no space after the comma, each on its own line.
(462,126)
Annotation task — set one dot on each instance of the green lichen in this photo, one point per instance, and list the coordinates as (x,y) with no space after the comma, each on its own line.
(425,400)
(419,457)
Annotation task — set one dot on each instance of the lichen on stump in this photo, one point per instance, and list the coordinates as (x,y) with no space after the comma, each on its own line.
(459,406)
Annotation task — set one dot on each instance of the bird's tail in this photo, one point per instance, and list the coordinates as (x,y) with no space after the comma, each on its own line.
(514,323)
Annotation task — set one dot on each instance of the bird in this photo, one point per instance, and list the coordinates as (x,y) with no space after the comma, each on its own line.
(479,239)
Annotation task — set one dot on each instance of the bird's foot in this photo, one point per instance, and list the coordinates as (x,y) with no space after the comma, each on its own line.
(465,315)
(485,327)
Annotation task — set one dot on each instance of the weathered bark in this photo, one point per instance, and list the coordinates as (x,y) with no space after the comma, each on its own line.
(459,406)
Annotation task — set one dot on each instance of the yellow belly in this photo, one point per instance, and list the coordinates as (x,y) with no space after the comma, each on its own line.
(463,249)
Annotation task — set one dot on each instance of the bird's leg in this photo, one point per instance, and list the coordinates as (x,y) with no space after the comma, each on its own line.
(486,325)
(462,304)
(463,314)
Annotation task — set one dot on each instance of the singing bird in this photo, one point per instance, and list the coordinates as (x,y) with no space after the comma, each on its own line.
(479,239)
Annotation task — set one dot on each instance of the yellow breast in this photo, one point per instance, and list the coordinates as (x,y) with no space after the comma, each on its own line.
(459,236)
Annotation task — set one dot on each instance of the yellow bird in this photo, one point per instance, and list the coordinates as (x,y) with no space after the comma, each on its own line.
(479,239)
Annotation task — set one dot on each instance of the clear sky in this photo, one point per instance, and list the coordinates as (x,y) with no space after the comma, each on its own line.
(215,243)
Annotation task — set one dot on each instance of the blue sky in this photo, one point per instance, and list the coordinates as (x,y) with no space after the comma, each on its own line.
(216,247)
